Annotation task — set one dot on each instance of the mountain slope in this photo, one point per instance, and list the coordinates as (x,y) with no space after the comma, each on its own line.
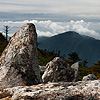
(86,47)
(3,43)
(42,38)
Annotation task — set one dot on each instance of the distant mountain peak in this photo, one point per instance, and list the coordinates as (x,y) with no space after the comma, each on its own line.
(87,47)
(69,33)
(72,32)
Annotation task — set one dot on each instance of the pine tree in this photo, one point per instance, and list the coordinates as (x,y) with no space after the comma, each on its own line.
(73,57)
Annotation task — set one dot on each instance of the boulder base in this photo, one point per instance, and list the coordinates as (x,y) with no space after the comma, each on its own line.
(85,90)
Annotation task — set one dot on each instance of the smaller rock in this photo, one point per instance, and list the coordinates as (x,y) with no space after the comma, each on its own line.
(75,67)
(58,70)
(89,77)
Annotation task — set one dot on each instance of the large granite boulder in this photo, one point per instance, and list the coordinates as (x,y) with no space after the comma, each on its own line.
(75,67)
(58,70)
(89,77)
(19,61)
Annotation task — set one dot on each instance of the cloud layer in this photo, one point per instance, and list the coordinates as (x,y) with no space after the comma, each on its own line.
(51,6)
(50,28)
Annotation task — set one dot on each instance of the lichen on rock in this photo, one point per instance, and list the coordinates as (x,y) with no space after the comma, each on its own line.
(81,90)
(19,61)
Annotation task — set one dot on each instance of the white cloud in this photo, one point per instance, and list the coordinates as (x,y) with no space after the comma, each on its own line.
(50,28)
(83,28)
(41,33)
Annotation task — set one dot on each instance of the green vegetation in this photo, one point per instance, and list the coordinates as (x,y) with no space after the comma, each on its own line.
(84,69)
(3,43)
(45,56)
(73,57)
(94,69)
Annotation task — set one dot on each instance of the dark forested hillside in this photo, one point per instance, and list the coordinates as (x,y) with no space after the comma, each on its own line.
(86,47)
(3,43)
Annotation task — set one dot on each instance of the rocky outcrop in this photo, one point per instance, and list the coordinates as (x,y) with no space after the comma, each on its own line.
(82,90)
(19,61)
(89,77)
(58,70)
(75,67)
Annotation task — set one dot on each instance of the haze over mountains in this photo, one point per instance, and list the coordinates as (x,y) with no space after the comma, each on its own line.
(86,47)
(50,24)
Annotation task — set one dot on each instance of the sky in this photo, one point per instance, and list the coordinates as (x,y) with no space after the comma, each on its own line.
(52,17)
(51,6)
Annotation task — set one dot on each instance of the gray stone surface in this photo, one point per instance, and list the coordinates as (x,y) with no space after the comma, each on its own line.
(82,90)
(58,70)
(42,68)
(19,61)
(75,67)
(89,77)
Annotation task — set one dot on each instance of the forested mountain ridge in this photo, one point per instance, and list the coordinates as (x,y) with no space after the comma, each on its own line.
(86,47)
